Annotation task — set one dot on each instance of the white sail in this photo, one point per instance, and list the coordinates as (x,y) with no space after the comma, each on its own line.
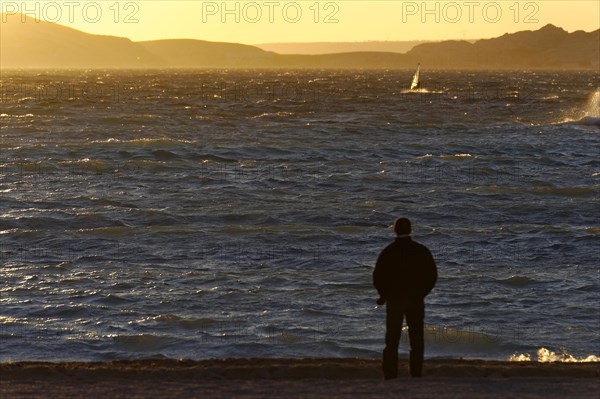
(416,82)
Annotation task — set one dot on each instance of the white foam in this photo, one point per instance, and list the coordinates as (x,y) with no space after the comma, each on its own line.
(547,356)
(593,105)
(422,91)
(589,115)
(15,116)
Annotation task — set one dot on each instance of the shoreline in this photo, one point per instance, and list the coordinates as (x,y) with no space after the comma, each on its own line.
(286,378)
(301,368)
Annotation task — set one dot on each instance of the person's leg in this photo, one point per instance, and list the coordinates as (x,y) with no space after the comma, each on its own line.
(393,330)
(415,316)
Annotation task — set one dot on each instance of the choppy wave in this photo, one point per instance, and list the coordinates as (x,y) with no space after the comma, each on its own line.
(593,105)
(143,142)
(172,224)
(452,342)
(517,281)
(589,115)
(589,121)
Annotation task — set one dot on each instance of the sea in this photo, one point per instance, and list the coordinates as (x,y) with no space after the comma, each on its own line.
(239,213)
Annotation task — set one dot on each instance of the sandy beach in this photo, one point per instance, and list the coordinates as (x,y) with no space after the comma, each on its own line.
(297,378)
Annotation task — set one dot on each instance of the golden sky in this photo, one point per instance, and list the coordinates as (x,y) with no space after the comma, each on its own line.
(270,21)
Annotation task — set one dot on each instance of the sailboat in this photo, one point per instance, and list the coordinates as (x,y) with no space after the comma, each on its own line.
(416,81)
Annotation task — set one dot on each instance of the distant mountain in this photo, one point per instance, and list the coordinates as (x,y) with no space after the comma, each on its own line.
(40,44)
(340,47)
(43,44)
(187,53)
(548,47)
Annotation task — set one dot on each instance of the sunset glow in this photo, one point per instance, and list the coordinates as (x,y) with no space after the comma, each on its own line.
(254,22)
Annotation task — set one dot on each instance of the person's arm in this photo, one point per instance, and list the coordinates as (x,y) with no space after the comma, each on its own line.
(431,274)
(379,277)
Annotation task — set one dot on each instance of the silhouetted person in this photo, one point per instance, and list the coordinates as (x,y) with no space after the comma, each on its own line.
(404,274)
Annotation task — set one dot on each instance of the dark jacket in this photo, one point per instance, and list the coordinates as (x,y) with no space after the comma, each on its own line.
(405,270)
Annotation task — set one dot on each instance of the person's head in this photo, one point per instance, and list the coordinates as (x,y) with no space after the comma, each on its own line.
(402,226)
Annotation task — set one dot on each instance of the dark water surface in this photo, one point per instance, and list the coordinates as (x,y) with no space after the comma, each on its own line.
(209,214)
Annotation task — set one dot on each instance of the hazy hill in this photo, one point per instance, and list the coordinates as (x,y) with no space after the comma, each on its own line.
(548,47)
(340,47)
(43,44)
(187,53)
(39,44)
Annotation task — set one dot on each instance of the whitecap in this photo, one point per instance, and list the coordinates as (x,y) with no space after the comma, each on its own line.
(547,356)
